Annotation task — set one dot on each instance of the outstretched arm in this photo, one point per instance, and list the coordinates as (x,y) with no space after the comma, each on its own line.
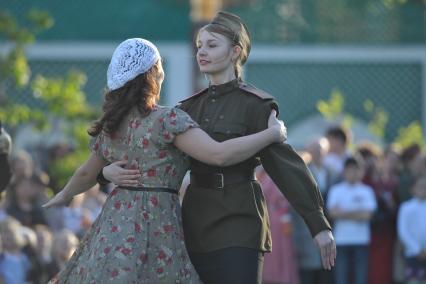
(83,179)
(199,145)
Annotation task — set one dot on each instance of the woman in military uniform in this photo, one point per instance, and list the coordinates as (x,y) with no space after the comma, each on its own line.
(224,213)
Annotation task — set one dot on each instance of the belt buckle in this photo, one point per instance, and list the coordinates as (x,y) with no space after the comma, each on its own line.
(221,181)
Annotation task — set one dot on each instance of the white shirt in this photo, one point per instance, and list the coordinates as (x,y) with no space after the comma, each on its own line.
(351,198)
(335,162)
(412,226)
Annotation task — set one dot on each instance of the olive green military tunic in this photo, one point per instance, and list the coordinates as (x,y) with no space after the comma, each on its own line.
(236,216)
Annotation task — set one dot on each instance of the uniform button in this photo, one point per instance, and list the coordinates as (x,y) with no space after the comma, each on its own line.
(228,131)
(221,117)
(213,100)
(213,92)
(206,120)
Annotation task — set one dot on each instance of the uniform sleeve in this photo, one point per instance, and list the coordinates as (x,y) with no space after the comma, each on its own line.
(291,175)
(174,122)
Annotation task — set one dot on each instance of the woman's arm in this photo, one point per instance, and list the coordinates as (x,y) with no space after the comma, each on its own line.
(199,145)
(83,179)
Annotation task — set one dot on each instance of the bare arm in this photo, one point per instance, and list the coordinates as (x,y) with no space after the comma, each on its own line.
(199,145)
(82,180)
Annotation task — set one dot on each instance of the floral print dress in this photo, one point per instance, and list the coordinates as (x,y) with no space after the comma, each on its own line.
(138,236)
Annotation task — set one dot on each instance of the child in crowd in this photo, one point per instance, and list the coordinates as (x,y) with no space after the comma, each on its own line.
(14,264)
(338,141)
(64,245)
(351,204)
(412,233)
(23,200)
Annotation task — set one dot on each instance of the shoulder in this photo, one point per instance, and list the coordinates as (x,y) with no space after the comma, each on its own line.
(366,189)
(245,87)
(196,95)
(162,109)
(259,100)
(407,205)
(171,113)
(252,90)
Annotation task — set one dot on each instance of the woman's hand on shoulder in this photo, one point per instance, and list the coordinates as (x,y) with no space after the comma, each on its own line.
(278,126)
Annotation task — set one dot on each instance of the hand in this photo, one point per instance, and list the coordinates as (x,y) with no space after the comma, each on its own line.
(119,176)
(59,199)
(327,246)
(278,125)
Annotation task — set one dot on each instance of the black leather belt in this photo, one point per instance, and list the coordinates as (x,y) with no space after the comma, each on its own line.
(220,180)
(150,189)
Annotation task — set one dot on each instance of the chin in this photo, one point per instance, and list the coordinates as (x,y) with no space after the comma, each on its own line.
(204,69)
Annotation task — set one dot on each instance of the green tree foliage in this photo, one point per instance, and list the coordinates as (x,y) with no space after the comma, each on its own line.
(15,64)
(59,98)
(334,109)
(409,135)
(378,119)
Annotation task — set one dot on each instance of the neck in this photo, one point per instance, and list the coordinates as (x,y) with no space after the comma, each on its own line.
(222,77)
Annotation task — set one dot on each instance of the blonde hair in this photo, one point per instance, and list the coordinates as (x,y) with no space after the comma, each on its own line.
(10,224)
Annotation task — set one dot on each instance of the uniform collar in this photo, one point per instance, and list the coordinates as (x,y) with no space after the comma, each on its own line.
(223,88)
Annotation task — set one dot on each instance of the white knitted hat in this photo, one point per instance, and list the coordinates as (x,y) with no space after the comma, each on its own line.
(131,58)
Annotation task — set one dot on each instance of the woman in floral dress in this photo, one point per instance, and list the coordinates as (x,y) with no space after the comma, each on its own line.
(138,236)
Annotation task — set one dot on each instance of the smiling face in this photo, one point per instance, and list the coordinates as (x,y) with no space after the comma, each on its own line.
(215,53)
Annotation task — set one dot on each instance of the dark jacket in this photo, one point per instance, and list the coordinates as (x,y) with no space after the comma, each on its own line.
(237,216)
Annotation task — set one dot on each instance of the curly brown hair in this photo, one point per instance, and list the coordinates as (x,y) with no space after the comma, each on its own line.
(143,92)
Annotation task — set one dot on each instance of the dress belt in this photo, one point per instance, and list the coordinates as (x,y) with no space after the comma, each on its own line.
(150,189)
(220,180)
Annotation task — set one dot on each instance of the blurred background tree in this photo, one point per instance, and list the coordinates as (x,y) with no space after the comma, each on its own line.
(53,98)
(333,110)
